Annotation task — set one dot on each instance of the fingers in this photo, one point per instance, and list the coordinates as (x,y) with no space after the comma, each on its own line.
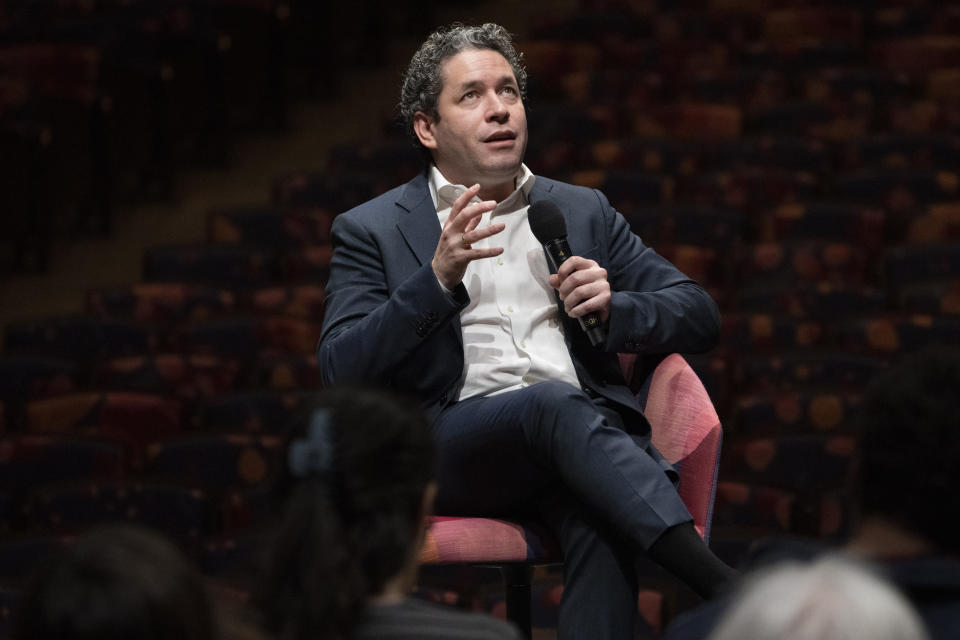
(575,272)
(587,299)
(455,251)
(464,214)
(583,287)
(472,234)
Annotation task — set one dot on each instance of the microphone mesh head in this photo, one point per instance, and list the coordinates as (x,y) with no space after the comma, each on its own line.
(546,221)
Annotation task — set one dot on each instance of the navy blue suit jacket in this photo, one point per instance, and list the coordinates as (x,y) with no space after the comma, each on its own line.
(389,323)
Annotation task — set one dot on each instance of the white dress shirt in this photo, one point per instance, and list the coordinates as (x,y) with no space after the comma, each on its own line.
(512,336)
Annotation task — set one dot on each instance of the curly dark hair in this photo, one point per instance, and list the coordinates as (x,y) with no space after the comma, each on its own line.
(423,80)
(910,445)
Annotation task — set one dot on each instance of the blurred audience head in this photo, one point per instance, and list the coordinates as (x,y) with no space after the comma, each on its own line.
(828,599)
(358,484)
(117,583)
(909,462)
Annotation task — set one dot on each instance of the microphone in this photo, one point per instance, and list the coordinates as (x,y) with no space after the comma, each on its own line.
(550,229)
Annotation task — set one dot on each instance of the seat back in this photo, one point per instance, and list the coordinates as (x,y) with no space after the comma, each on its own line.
(687,431)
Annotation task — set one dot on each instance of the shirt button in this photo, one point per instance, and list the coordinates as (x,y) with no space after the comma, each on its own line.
(510,309)
(500,261)
(523,345)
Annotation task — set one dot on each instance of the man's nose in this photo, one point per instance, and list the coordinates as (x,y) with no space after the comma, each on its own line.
(497,109)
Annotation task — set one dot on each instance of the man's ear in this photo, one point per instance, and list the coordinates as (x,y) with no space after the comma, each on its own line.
(423,127)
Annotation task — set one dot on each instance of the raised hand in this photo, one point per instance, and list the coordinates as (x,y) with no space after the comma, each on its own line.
(454,251)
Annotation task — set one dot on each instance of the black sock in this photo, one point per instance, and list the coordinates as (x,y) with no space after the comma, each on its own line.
(683,552)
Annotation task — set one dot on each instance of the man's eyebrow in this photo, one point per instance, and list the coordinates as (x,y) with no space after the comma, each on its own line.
(473,84)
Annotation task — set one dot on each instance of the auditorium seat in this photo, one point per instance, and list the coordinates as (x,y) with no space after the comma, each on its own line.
(215,462)
(29,462)
(930,298)
(253,412)
(757,333)
(917,55)
(180,512)
(827,368)
(296,300)
(808,463)
(889,334)
(131,420)
(183,376)
(749,190)
(823,301)
(244,337)
(329,192)
(270,226)
(215,265)
(700,121)
(940,224)
(805,262)
(285,371)
(917,151)
(779,151)
(26,378)
(832,221)
(794,412)
(163,304)
(310,265)
(906,265)
(680,224)
(82,339)
(750,89)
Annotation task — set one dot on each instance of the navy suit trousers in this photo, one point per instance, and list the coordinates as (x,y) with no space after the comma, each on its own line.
(551,453)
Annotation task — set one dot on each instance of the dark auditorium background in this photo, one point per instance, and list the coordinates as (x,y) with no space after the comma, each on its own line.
(169,171)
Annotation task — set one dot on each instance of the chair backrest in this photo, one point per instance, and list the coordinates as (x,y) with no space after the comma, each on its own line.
(687,431)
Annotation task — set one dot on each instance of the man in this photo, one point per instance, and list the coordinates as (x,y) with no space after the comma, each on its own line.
(438,288)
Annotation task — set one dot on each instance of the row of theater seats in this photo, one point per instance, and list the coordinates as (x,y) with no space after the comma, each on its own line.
(104,103)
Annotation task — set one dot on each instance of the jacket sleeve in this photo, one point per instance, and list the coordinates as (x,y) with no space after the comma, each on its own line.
(654,307)
(369,331)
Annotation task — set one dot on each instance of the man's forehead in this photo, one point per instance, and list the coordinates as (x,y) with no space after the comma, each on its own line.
(465,68)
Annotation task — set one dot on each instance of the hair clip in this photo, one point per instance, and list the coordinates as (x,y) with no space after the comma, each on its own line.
(313,454)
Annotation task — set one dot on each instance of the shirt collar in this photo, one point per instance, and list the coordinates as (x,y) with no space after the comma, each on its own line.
(444,192)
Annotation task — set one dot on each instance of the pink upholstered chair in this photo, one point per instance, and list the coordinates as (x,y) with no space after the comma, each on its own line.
(686,430)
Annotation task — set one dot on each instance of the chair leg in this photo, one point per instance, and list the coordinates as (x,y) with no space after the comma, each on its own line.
(517,580)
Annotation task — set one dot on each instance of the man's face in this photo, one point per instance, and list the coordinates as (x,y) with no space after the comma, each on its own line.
(481,132)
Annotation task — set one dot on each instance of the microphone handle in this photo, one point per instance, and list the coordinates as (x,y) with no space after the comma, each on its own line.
(559,250)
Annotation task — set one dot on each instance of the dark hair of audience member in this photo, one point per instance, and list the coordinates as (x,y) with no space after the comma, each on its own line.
(910,445)
(352,519)
(117,583)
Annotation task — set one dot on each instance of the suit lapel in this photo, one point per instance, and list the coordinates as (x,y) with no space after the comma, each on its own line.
(419,227)
(417,222)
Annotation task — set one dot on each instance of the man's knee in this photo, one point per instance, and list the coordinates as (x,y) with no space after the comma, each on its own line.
(552,397)
(553,408)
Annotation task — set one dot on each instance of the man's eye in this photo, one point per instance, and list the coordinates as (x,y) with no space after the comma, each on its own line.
(469,95)
(510,90)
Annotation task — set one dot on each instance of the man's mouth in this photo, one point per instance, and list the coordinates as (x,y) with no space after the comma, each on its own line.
(501,136)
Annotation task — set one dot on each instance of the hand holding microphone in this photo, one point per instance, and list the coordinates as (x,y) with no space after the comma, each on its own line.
(581,283)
